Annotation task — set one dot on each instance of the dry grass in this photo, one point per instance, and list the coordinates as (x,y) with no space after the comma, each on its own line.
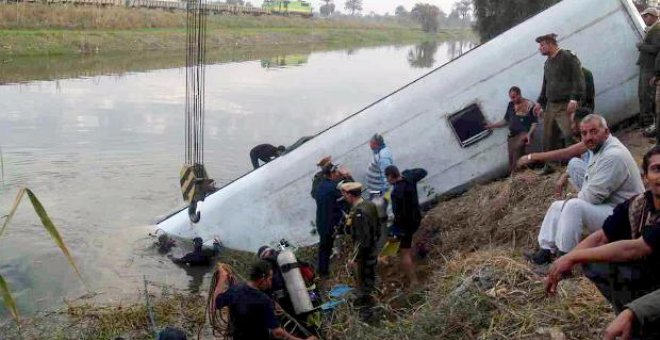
(475,283)
(39,16)
(499,297)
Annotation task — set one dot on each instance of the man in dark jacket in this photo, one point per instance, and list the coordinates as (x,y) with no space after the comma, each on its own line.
(590,90)
(328,215)
(648,54)
(265,153)
(407,216)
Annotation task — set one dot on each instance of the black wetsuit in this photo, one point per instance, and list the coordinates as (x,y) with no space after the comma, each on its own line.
(264,153)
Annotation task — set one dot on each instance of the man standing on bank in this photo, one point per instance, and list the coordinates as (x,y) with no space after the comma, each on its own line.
(328,215)
(648,53)
(365,230)
(407,216)
(520,119)
(382,158)
(563,89)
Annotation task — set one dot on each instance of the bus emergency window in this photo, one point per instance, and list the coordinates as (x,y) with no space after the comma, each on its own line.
(468,125)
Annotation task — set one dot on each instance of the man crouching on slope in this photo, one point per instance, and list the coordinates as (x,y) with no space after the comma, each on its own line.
(612,177)
(622,258)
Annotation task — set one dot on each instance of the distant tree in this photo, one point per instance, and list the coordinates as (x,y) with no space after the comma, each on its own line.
(248,4)
(495,16)
(235,2)
(328,8)
(463,8)
(400,11)
(427,16)
(353,6)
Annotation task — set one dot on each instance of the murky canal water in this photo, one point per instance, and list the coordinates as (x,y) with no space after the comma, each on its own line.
(103,152)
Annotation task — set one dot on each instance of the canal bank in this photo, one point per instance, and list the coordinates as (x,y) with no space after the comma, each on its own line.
(475,283)
(37,30)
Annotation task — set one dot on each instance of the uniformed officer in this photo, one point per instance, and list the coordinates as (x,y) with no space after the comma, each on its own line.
(365,229)
(648,53)
(562,91)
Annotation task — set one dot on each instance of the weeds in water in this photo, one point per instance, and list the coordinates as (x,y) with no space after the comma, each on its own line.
(8,299)
(50,228)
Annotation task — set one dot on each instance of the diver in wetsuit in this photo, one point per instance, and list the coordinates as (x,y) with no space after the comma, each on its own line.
(199,256)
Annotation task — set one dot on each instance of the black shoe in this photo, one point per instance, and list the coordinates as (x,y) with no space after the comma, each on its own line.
(547,170)
(540,257)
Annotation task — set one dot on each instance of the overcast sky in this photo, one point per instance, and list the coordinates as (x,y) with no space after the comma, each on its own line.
(381,6)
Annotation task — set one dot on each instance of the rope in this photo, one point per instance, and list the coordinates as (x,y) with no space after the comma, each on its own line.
(221,326)
(152,322)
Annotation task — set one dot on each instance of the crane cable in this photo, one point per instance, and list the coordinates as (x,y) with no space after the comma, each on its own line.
(194,180)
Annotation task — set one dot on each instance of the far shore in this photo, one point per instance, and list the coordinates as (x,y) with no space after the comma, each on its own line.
(41,30)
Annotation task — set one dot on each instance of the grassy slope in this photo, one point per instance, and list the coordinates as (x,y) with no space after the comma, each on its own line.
(33,29)
(475,242)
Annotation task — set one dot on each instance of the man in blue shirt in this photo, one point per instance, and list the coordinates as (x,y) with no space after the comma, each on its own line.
(251,312)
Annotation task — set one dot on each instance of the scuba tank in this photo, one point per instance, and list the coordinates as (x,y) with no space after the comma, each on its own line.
(381,205)
(293,280)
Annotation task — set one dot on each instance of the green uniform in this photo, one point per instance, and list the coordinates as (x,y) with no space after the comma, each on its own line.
(590,90)
(365,229)
(647,309)
(563,81)
(649,65)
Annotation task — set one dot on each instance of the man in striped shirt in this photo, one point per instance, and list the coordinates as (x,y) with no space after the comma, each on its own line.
(376,180)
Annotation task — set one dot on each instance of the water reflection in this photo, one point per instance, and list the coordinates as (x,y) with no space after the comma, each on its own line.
(423,55)
(458,47)
(196,276)
(282,61)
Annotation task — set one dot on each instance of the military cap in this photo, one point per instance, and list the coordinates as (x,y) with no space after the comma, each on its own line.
(552,37)
(651,11)
(324,161)
(351,186)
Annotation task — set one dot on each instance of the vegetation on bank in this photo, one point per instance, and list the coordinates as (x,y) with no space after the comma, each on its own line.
(36,29)
(476,285)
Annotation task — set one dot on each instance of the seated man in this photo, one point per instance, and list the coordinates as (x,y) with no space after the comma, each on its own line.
(265,153)
(577,155)
(621,259)
(520,119)
(612,178)
(251,312)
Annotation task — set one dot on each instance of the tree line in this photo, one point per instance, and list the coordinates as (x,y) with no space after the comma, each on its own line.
(430,17)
